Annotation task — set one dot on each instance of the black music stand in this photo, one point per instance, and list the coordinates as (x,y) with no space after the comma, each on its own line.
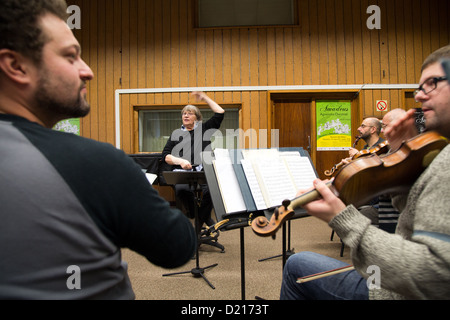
(194,180)
(286,252)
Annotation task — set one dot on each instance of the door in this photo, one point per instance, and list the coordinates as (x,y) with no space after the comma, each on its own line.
(294,117)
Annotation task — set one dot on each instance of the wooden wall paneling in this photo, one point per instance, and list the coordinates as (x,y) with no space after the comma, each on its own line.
(93,52)
(184,48)
(338,63)
(210,65)
(357,12)
(444,23)
(192,34)
(409,43)
(175,49)
(322,46)
(141,49)
(297,59)
(166,56)
(349,43)
(244,57)
(236,65)
(150,46)
(425,28)
(400,52)
(366,48)
(200,58)
(280,59)
(383,45)
(218,63)
(417,39)
(334,38)
(126,77)
(227,63)
(134,75)
(158,49)
(271,57)
(306,42)
(314,42)
(101,70)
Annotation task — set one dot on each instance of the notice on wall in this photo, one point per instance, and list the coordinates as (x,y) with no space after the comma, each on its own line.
(68,125)
(333,118)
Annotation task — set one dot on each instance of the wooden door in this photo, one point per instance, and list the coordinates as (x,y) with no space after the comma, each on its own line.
(295,119)
(292,119)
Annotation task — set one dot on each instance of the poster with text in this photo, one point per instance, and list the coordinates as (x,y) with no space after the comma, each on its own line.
(69,125)
(333,118)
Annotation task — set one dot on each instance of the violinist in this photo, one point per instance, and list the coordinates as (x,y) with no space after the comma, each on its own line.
(369,131)
(413,262)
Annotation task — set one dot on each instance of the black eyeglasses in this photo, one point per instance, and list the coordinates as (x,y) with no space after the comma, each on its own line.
(429,85)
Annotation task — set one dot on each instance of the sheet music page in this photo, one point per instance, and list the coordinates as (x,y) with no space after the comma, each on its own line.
(229,186)
(260,154)
(275,181)
(252,181)
(151,177)
(300,169)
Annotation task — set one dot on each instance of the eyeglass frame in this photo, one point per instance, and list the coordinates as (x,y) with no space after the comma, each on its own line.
(365,126)
(436,80)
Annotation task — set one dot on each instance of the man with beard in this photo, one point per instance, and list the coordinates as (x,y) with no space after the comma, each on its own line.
(68,204)
(414,262)
(369,131)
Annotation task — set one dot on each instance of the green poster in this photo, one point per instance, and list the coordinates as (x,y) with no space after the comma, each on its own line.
(333,118)
(69,125)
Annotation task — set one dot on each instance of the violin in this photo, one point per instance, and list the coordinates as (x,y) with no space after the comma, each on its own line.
(394,172)
(379,149)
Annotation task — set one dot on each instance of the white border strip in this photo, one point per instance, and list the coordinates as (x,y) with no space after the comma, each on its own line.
(248,88)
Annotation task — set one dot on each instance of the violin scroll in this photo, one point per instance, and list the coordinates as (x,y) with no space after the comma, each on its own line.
(265,228)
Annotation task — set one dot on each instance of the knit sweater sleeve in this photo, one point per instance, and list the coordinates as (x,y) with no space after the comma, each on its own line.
(414,262)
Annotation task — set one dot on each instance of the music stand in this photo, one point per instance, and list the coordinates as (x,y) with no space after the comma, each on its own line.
(194,179)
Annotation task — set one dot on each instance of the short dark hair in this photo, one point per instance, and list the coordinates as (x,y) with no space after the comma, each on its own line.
(19,25)
(437,56)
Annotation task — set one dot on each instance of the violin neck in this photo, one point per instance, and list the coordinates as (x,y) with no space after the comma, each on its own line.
(306,198)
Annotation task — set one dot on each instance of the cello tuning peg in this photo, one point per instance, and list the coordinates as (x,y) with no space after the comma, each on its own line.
(286,204)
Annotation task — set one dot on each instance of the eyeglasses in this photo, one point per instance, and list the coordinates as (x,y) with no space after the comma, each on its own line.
(383,125)
(429,85)
(365,126)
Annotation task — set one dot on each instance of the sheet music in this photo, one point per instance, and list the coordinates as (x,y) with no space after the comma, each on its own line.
(229,186)
(272,176)
(151,177)
(275,180)
(300,169)
(252,181)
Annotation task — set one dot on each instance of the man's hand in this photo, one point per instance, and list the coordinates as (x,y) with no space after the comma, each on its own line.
(328,206)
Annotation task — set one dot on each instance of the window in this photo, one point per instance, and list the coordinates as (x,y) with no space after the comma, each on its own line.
(238,13)
(155,127)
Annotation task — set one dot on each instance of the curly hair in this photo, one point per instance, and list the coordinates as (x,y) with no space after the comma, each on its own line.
(19,25)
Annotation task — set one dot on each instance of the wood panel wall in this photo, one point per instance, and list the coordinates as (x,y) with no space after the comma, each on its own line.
(153,44)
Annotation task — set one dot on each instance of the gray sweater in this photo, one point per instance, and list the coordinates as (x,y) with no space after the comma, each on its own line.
(415,261)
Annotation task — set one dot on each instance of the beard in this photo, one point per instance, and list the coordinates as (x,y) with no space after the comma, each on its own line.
(59,105)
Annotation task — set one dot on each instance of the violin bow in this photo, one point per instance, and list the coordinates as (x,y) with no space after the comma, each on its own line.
(325,274)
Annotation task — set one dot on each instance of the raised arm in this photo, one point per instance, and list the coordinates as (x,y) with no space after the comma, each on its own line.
(201,96)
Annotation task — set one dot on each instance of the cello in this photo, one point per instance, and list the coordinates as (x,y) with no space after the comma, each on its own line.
(394,172)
